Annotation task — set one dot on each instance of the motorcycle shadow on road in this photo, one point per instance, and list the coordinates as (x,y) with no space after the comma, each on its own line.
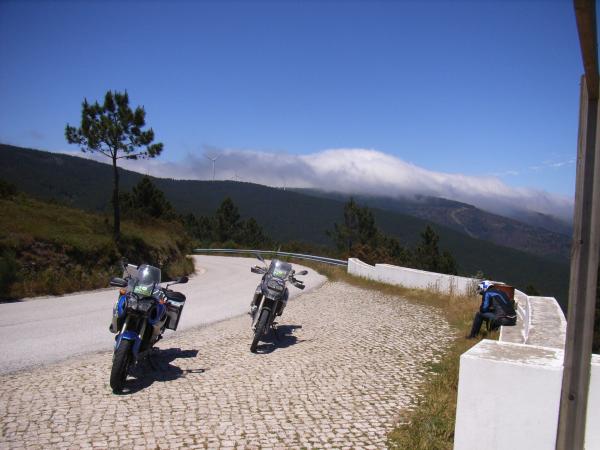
(158,367)
(281,337)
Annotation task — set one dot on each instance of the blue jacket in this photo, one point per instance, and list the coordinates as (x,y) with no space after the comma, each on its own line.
(497,302)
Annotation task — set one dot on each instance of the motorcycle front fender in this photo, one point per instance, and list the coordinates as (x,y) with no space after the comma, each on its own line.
(118,317)
(129,335)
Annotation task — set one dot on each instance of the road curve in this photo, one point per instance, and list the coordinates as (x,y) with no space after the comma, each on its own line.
(50,329)
(344,366)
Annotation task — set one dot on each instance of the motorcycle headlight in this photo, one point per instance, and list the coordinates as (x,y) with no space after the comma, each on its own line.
(145,306)
(275,285)
(132,302)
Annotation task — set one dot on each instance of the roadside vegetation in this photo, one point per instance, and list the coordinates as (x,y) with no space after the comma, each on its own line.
(356,236)
(430,424)
(359,236)
(47,248)
(226,229)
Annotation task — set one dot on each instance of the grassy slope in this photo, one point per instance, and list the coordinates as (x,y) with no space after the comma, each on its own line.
(284,215)
(53,249)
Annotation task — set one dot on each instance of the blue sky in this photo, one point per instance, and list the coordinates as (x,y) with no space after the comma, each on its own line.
(476,88)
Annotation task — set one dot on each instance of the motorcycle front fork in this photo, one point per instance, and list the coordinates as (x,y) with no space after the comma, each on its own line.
(140,336)
(257,313)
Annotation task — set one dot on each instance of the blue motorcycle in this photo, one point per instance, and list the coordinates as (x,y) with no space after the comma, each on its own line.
(142,312)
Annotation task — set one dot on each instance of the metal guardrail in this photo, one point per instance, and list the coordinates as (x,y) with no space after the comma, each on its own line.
(322,259)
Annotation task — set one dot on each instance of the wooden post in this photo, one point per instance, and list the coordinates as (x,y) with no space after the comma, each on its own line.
(585,247)
(582,288)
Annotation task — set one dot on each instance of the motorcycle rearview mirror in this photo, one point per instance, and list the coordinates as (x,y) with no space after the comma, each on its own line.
(304,272)
(118,282)
(178,280)
(299,285)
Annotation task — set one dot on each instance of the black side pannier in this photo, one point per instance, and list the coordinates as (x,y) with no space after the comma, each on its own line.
(175,303)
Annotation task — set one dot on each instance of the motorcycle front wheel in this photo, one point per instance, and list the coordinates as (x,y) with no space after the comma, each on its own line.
(121,361)
(261,326)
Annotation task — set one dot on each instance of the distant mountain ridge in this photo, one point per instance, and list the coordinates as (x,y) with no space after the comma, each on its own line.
(284,214)
(474,222)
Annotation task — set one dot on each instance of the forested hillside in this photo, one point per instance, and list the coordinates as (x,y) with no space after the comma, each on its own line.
(284,215)
(549,238)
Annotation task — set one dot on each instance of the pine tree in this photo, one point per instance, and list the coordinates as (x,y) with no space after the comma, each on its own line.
(251,234)
(114,130)
(200,228)
(427,254)
(359,237)
(227,221)
(146,197)
(358,228)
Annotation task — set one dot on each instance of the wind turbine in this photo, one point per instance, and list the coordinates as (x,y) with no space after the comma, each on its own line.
(213,163)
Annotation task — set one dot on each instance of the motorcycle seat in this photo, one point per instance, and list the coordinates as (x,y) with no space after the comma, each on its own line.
(175,296)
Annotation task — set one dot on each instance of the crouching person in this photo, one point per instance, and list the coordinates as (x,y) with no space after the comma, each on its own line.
(495,307)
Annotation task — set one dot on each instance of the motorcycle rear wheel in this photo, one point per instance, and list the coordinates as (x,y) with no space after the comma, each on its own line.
(121,360)
(261,327)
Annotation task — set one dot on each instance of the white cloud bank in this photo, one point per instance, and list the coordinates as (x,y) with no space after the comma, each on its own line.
(358,171)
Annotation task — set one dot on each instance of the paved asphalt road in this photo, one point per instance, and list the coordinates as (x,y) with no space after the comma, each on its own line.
(50,329)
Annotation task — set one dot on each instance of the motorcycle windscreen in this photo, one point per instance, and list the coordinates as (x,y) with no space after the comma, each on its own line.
(148,278)
(280,269)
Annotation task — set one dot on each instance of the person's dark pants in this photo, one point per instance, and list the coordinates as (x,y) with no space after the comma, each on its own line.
(478,320)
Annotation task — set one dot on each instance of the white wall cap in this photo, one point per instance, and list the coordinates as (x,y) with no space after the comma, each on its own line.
(424,272)
(360,263)
(517,354)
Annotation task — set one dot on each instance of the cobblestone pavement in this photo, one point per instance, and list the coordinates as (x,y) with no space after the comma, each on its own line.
(347,362)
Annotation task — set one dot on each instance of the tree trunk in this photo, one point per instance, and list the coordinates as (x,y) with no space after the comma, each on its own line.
(116,209)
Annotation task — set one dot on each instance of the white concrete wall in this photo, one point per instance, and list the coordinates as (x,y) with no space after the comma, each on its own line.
(547,323)
(523,415)
(528,359)
(523,310)
(412,278)
(508,390)
(361,269)
(505,397)
(592,429)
